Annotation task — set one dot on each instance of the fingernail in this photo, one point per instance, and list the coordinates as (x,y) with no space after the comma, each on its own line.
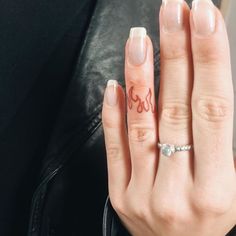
(172,15)
(203,17)
(111,92)
(137,46)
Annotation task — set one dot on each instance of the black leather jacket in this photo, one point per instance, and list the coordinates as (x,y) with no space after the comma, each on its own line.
(60,55)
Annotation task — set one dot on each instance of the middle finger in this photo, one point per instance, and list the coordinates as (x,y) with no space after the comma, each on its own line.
(174,107)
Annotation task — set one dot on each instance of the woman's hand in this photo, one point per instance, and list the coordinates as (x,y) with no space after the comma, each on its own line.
(191,192)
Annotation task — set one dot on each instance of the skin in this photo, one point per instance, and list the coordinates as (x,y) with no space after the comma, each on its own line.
(194,192)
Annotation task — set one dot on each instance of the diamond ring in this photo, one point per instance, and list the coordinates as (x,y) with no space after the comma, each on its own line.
(169,149)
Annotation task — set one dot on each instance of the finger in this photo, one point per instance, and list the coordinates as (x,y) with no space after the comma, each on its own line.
(113,119)
(142,128)
(174,107)
(212,98)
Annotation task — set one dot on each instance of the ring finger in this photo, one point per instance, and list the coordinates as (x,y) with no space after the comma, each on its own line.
(142,130)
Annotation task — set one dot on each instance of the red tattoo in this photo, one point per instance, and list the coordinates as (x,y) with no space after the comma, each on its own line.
(145,105)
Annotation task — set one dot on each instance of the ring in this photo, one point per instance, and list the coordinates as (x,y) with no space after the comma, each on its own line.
(169,149)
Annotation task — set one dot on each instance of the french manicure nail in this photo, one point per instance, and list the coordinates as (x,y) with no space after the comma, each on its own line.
(203,17)
(137,49)
(172,15)
(111,93)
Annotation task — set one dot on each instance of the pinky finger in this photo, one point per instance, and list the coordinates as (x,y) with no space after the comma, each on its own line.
(116,140)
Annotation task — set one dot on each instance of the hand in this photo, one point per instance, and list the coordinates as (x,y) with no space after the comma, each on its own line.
(191,192)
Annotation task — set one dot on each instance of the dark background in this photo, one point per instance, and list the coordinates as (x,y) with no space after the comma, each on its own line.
(55,59)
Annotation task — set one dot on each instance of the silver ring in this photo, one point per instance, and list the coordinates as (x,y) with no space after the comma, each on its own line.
(169,149)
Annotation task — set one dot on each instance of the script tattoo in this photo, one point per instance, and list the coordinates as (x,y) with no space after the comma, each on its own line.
(143,105)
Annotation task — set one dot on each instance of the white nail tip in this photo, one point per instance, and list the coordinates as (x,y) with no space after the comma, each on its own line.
(197,1)
(137,32)
(113,83)
(166,1)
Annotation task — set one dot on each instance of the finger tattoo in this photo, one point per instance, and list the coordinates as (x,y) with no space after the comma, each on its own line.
(144,105)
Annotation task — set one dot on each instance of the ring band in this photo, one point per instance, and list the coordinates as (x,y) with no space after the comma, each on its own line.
(169,149)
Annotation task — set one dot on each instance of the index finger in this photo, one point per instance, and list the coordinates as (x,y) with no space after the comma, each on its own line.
(213,97)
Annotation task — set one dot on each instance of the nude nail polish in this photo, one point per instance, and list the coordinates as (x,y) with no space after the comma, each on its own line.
(203,12)
(137,48)
(111,92)
(172,15)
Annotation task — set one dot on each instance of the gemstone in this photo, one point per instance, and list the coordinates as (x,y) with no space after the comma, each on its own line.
(167,150)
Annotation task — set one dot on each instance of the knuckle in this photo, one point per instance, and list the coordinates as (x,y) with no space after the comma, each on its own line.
(113,151)
(168,211)
(213,109)
(175,113)
(207,54)
(141,133)
(137,209)
(167,215)
(175,54)
(211,203)
(141,213)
